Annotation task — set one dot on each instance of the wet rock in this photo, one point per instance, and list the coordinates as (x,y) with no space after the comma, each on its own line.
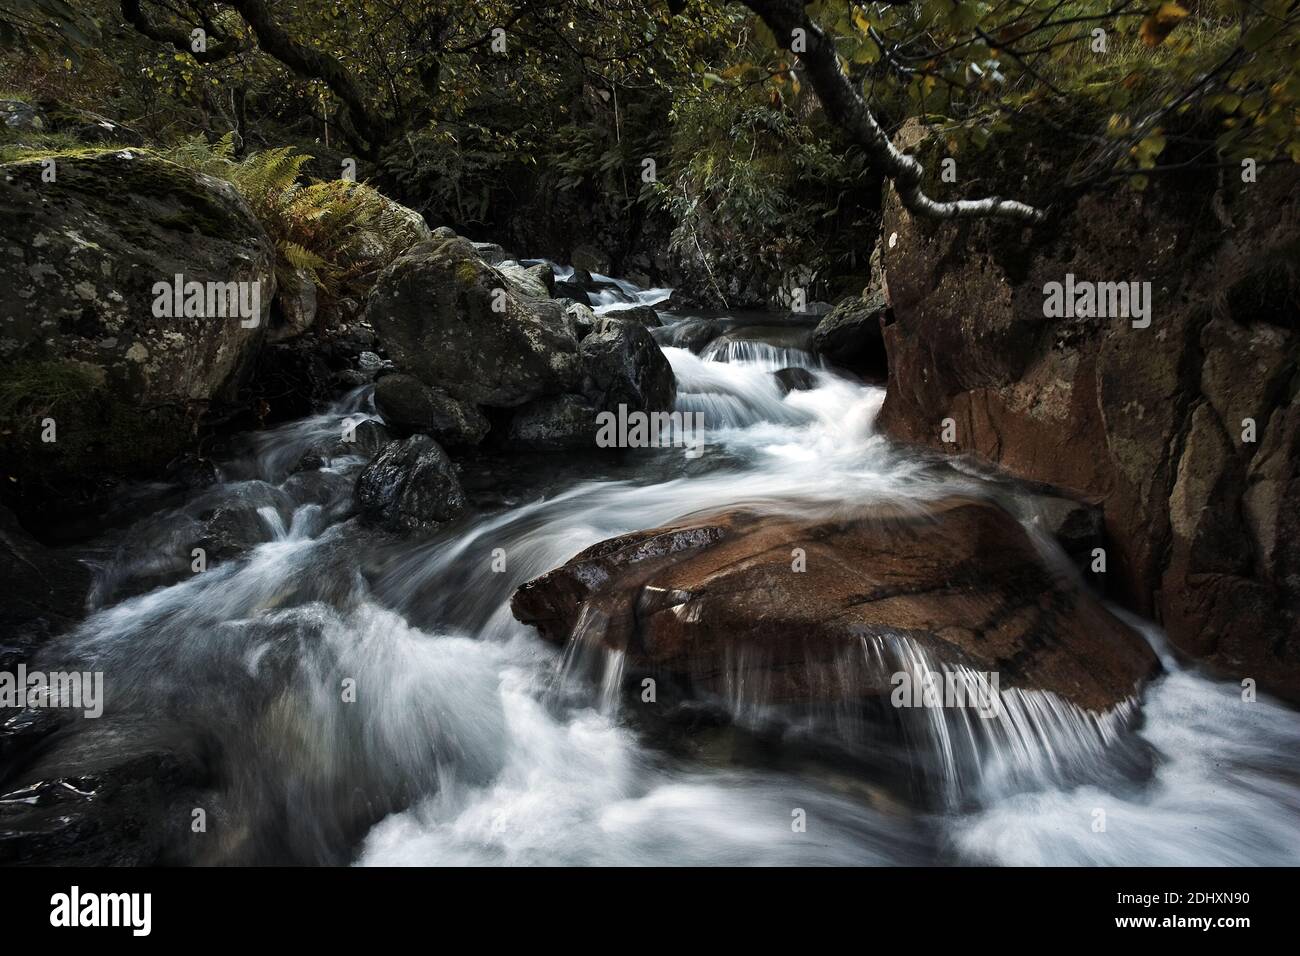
(850,334)
(81,342)
(367,439)
(409,405)
(231,530)
(1152,421)
(310,461)
(437,311)
(411,484)
(794,380)
(641,314)
(622,365)
(716,602)
(96,800)
(565,289)
(692,334)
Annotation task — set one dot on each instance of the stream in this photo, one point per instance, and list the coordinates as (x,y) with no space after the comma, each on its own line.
(471,741)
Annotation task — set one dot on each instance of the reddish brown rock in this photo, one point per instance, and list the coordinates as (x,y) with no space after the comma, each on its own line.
(715,600)
(1149,421)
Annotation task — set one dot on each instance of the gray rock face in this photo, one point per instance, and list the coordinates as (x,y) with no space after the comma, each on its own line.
(472,337)
(491,253)
(584,320)
(411,406)
(79,338)
(434,310)
(411,484)
(622,365)
(531,282)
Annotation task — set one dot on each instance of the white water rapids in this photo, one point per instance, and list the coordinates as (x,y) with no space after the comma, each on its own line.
(471,742)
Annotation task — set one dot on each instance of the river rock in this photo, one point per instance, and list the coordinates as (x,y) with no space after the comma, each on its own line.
(565,289)
(692,334)
(411,484)
(409,405)
(850,334)
(641,314)
(433,308)
(622,365)
(794,380)
(1151,421)
(714,601)
(79,340)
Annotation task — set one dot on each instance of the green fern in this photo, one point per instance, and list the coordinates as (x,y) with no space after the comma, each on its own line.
(338,233)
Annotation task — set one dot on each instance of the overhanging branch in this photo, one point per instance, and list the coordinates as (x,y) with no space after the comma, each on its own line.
(846,107)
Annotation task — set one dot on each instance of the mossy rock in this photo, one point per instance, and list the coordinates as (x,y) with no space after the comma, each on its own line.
(79,337)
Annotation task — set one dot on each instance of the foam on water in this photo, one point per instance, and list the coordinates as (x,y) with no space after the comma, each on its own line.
(471,741)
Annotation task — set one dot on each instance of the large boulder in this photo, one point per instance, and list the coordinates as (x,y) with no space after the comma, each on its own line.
(451,320)
(481,338)
(850,334)
(1185,429)
(623,365)
(411,484)
(785,604)
(83,340)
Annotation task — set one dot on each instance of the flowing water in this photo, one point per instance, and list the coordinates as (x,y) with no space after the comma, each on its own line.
(470,741)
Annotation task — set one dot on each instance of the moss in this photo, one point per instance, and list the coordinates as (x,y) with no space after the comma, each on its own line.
(16,147)
(467,273)
(199,208)
(39,387)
